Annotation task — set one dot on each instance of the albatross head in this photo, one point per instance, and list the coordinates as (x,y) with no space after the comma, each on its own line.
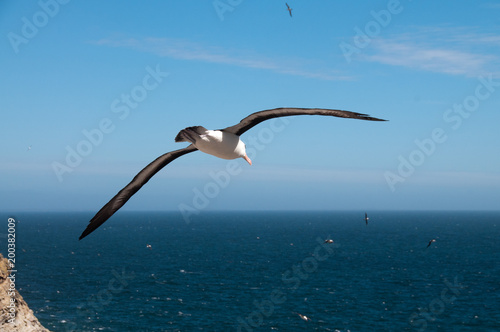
(247,159)
(242,151)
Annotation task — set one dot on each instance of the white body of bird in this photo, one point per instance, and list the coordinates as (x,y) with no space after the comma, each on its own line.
(221,144)
(218,143)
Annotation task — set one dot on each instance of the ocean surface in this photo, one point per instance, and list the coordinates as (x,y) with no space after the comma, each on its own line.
(260,271)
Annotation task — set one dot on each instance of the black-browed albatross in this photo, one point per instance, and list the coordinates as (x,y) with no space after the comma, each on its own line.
(224,143)
(289,9)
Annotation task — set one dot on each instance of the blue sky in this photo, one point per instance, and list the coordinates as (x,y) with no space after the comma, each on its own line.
(93,91)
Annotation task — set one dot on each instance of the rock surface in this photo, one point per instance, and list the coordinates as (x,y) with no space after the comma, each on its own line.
(25,320)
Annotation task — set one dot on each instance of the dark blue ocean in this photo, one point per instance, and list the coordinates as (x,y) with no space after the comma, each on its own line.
(257,271)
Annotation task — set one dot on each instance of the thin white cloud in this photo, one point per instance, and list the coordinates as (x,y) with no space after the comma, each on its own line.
(453,51)
(432,59)
(191,51)
(491,5)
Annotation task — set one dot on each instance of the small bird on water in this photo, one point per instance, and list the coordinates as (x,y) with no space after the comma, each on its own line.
(304,317)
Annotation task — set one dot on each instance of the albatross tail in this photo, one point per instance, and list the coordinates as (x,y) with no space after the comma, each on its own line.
(190,134)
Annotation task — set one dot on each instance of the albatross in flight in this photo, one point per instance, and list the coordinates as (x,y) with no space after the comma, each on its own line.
(224,143)
(289,9)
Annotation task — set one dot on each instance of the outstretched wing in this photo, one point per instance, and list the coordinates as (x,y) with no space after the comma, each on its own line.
(258,117)
(139,180)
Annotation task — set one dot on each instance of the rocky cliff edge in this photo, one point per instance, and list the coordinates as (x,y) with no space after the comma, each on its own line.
(15,315)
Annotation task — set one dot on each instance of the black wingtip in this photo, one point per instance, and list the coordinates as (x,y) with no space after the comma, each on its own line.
(370,118)
(92,226)
(95,222)
(373,119)
(84,234)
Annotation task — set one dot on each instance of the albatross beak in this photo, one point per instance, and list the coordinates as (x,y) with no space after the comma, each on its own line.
(247,159)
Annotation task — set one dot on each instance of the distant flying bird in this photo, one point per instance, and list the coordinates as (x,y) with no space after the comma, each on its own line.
(328,241)
(366,218)
(304,317)
(29,147)
(223,143)
(430,242)
(148,246)
(289,9)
